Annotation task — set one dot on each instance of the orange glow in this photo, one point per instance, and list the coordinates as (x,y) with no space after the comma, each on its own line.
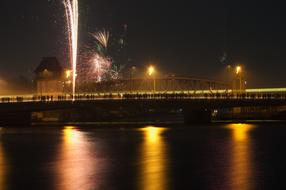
(238,70)
(152,134)
(71,135)
(153,160)
(242,164)
(68,73)
(240,131)
(77,162)
(151,70)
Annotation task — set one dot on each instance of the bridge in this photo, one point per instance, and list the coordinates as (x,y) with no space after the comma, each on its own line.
(197,105)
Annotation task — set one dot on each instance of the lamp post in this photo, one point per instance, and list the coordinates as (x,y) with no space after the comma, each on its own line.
(151,72)
(229,75)
(132,71)
(238,71)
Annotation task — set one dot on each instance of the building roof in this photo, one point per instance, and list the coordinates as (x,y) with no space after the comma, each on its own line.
(49,63)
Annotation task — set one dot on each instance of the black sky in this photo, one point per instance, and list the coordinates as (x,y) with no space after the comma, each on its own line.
(184,37)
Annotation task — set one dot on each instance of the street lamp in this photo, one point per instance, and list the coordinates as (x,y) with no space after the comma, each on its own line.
(151,72)
(238,71)
(229,74)
(68,74)
(132,71)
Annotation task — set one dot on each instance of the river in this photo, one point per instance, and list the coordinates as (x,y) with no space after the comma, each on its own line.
(148,157)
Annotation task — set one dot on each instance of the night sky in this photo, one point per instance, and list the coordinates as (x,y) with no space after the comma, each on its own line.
(182,37)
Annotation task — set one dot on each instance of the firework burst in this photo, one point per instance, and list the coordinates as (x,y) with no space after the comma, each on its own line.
(100,67)
(102,37)
(96,65)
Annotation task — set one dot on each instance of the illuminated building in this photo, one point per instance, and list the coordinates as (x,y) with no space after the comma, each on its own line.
(49,76)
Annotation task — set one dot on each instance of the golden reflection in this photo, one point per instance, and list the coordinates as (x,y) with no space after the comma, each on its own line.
(3,165)
(241,131)
(71,135)
(153,134)
(153,160)
(76,163)
(242,165)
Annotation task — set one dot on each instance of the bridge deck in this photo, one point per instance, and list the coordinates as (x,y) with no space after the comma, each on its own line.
(255,94)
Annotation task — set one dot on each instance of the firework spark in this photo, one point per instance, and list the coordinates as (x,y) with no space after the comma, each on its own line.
(100,66)
(115,71)
(71,8)
(102,37)
(96,65)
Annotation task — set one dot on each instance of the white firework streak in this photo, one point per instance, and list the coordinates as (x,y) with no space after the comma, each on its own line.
(71,8)
(102,37)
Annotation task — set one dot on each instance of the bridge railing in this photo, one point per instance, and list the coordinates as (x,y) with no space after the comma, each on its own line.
(141,95)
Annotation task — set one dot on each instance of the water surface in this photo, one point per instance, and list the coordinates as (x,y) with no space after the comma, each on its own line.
(215,156)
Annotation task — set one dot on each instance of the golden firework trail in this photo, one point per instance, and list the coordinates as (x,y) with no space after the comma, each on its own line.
(102,37)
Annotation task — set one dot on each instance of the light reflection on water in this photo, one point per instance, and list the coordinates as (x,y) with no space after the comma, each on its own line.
(3,164)
(110,158)
(153,160)
(77,162)
(241,159)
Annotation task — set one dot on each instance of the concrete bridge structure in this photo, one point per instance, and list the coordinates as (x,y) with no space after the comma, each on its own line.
(196,105)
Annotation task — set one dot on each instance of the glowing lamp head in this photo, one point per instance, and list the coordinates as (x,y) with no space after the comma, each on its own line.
(238,70)
(68,73)
(151,70)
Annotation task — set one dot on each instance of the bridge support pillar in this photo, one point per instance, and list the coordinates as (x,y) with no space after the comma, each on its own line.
(197,116)
(15,119)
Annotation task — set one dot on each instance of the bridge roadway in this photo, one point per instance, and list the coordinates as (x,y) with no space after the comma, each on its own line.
(173,99)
